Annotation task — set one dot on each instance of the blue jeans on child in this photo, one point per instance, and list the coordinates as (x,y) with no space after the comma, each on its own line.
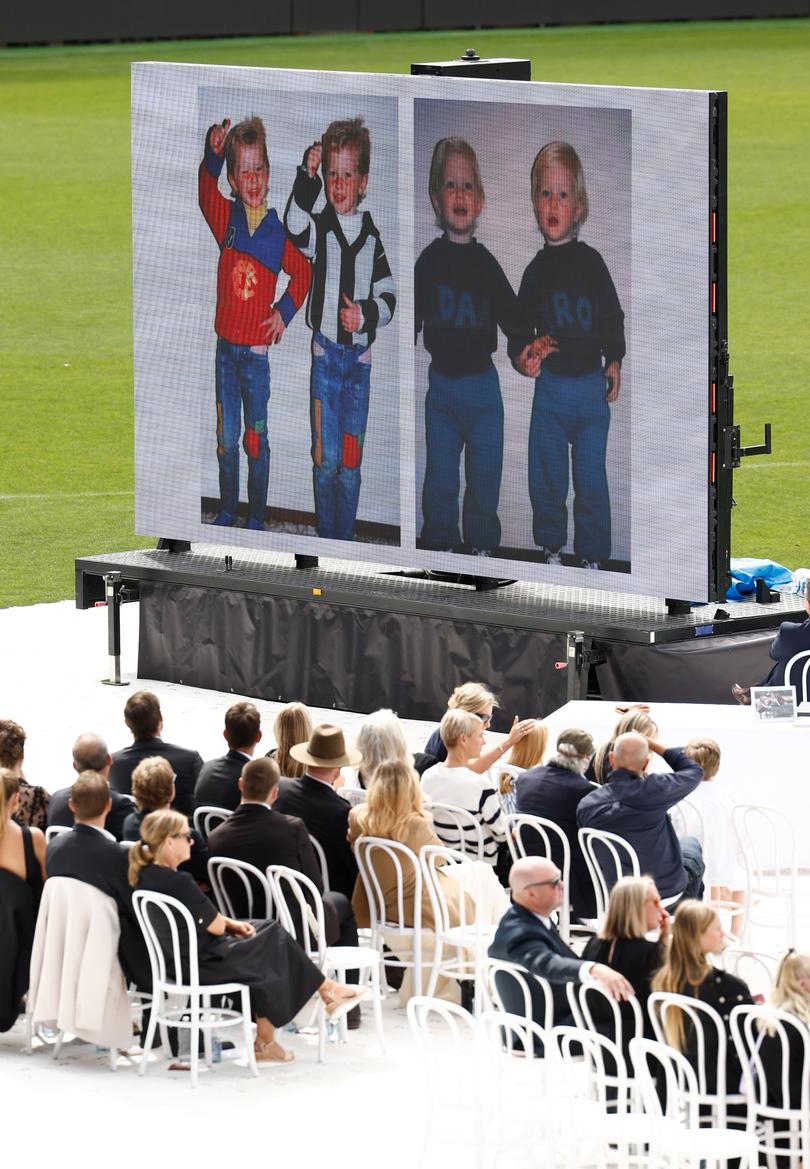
(570,411)
(243,385)
(339,392)
(463,413)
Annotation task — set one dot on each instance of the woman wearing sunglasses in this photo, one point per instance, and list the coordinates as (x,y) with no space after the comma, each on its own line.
(262,954)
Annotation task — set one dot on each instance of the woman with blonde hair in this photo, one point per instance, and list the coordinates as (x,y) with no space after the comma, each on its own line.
(394,810)
(791,993)
(529,752)
(293,725)
(22,872)
(280,975)
(635,718)
(634,911)
(697,932)
(474,698)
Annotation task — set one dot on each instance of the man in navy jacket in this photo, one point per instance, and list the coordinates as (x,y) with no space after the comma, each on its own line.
(634,805)
(793,638)
(527,936)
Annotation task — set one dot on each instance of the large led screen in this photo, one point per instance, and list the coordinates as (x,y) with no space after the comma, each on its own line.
(454,324)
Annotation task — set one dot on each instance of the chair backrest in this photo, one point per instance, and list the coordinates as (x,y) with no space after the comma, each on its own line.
(594,1010)
(367,849)
(666,1082)
(790,679)
(756,968)
(608,1080)
(535,836)
(353,795)
(317,848)
(207,818)
(608,857)
(445,1037)
(435,859)
(228,875)
(710,1043)
(153,910)
(55,830)
(507,1034)
(750,1025)
(458,829)
(513,990)
(687,820)
(768,845)
(300,909)
(424,1013)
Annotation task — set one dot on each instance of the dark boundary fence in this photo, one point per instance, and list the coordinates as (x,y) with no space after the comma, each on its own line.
(55,21)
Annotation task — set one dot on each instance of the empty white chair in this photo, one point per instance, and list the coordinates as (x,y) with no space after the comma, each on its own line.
(207,817)
(300,908)
(796,673)
(777,1089)
(676,1134)
(228,875)
(608,858)
(194,1012)
(451,1111)
(458,947)
(512,989)
(768,846)
(458,829)
(353,795)
(708,1044)
(536,836)
(399,916)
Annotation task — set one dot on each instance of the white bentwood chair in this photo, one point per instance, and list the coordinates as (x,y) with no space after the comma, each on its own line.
(180,1000)
(208,817)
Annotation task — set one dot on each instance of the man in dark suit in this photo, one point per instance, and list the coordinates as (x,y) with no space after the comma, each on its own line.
(314,799)
(261,836)
(527,936)
(143,717)
(793,638)
(553,791)
(90,854)
(218,782)
(90,754)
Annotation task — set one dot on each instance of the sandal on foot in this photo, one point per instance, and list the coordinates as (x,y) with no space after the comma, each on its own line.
(272,1053)
(337,1007)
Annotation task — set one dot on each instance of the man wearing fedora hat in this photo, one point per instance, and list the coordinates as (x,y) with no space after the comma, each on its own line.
(314,799)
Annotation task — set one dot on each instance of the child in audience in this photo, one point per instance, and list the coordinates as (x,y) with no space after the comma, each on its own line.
(725,872)
(526,753)
(352,298)
(253,249)
(461,296)
(574,326)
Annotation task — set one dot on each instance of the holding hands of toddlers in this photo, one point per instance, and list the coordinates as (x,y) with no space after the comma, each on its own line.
(217,134)
(313,159)
(532,356)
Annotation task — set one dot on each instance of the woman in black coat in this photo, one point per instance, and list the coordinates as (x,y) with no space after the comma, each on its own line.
(281,976)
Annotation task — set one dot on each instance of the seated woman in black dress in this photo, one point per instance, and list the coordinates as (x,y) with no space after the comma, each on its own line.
(280,975)
(634,911)
(696,933)
(153,791)
(791,993)
(22,872)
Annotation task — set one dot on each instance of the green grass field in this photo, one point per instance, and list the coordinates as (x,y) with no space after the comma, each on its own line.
(66,458)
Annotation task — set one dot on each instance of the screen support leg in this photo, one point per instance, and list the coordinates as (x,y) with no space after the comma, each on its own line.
(112,597)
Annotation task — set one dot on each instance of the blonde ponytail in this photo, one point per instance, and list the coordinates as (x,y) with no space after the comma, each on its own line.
(156,828)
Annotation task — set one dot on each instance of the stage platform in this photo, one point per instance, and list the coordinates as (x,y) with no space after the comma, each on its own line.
(355,638)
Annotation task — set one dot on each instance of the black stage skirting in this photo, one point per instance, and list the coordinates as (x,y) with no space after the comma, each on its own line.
(358,638)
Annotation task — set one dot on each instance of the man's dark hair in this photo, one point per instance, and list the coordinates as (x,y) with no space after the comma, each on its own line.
(90,753)
(242,725)
(259,777)
(142,714)
(89,795)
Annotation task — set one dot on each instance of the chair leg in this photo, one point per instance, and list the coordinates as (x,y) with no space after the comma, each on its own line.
(57,1047)
(376,991)
(113,1058)
(248,1027)
(194,1041)
(149,1039)
(206,1030)
(321,1017)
